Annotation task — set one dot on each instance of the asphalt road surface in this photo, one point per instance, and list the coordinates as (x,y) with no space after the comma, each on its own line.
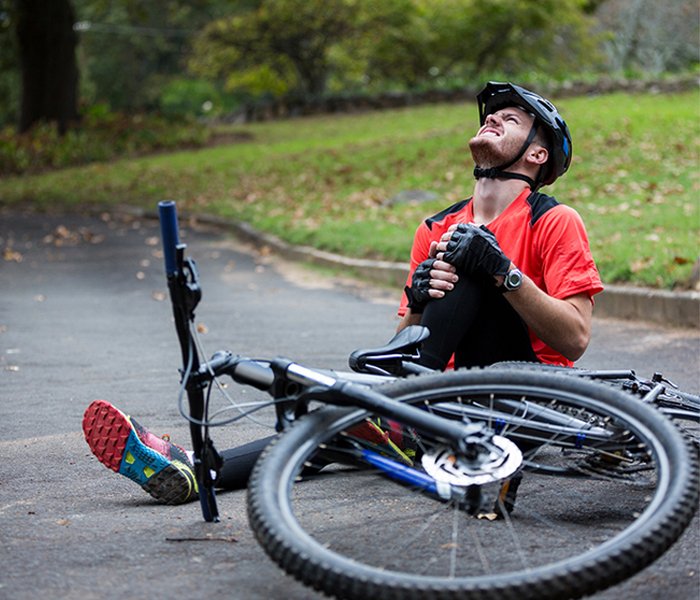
(84,315)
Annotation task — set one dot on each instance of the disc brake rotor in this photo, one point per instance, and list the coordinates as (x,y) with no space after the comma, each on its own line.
(495,460)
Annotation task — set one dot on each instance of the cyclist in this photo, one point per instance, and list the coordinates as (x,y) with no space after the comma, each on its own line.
(504,275)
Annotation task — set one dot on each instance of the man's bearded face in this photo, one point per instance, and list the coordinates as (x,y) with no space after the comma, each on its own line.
(500,138)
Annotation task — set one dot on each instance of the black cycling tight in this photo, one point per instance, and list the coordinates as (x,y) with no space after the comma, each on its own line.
(476,323)
(238,464)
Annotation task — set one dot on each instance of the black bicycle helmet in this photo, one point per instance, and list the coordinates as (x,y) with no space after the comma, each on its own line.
(496,96)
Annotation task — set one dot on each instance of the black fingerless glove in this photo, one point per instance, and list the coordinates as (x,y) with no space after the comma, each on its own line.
(474,250)
(417,294)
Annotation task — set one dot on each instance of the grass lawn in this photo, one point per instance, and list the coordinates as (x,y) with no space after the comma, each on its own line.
(327,181)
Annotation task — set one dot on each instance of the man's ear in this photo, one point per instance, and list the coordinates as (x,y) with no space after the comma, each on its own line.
(537,155)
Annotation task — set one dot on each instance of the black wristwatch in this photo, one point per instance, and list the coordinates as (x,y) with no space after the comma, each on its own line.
(513,280)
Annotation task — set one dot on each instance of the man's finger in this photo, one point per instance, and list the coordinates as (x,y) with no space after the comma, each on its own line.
(433,249)
(441,284)
(441,265)
(443,276)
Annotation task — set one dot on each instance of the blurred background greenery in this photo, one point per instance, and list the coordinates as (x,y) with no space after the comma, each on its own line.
(64,59)
(86,82)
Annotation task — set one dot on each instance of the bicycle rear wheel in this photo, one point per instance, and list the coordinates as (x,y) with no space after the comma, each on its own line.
(608,485)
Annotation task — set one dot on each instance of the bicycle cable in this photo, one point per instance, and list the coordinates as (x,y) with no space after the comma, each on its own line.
(234,405)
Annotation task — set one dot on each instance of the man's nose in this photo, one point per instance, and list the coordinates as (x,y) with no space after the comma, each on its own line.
(491,119)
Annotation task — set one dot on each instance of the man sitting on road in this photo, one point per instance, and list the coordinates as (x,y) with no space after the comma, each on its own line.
(504,275)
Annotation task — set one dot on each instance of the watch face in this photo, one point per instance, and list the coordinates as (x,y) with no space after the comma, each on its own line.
(513,280)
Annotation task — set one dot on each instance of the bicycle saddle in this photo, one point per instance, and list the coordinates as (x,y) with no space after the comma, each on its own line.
(403,346)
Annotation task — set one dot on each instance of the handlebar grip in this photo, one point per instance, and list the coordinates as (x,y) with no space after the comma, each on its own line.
(167,212)
(252,373)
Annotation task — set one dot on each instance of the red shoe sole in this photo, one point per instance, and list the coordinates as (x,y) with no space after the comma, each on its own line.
(106,431)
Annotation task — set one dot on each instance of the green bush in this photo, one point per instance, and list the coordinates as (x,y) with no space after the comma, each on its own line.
(101,135)
(190,97)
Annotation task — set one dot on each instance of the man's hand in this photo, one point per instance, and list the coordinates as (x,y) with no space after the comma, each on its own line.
(418,294)
(431,279)
(474,250)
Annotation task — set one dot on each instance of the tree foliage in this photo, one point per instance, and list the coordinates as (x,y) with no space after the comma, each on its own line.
(131,49)
(277,47)
(301,46)
(650,36)
(470,39)
(9,64)
(180,56)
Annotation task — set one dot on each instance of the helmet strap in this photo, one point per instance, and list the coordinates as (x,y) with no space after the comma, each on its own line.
(500,173)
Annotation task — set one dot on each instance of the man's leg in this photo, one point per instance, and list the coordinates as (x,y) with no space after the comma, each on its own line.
(497,334)
(239,463)
(161,468)
(476,324)
(449,320)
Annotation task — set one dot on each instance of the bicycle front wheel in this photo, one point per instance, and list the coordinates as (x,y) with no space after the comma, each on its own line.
(607,486)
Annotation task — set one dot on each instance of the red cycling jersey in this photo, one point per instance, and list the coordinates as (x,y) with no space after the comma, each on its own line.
(546,240)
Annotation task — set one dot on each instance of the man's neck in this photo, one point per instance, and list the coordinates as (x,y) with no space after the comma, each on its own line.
(492,196)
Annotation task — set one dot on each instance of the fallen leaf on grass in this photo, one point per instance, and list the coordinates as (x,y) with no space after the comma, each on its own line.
(639,265)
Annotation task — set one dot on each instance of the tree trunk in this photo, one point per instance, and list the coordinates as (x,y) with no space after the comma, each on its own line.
(47,42)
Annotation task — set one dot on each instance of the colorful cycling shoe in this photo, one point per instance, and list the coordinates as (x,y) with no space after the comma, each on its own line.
(121,444)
